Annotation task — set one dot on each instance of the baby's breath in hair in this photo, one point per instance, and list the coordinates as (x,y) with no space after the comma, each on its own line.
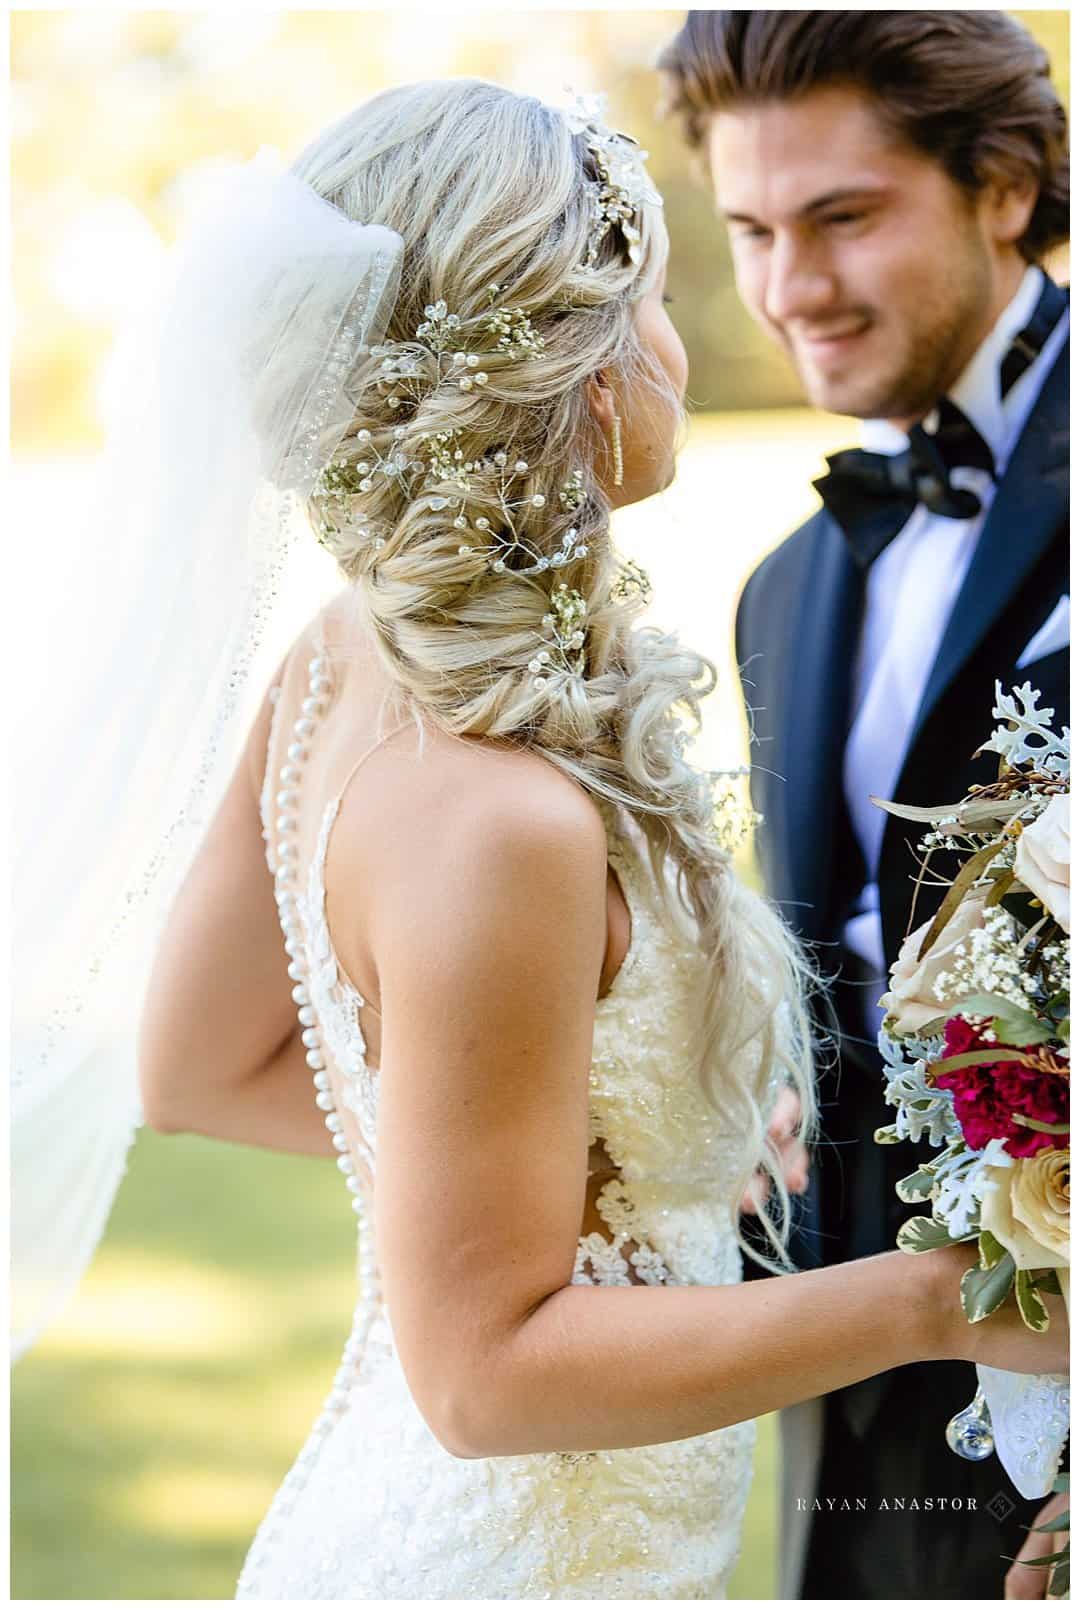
(632,582)
(572,491)
(454,481)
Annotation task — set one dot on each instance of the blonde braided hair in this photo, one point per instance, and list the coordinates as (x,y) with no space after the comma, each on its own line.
(490,187)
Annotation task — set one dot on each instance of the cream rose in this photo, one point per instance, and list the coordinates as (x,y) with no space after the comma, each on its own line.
(1026,1207)
(1042,859)
(910,998)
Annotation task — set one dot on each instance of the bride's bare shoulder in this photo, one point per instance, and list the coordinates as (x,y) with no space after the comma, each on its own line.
(473,797)
(473,778)
(433,825)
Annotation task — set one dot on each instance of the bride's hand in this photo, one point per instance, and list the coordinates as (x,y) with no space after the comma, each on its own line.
(1001,1340)
(1024,1581)
(794,1158)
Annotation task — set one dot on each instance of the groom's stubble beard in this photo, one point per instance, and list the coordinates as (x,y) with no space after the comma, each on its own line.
(915,349)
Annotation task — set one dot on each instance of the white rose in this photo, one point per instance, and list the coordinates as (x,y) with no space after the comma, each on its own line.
(1042,859)
(1026,1207)
(910,998)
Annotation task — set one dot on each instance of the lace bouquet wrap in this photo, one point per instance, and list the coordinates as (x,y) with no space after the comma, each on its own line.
(976,1050)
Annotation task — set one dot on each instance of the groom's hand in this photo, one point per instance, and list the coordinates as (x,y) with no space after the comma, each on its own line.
(1023,1581)
(794,1158)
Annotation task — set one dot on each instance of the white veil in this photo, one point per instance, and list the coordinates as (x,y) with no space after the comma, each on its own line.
(236,385)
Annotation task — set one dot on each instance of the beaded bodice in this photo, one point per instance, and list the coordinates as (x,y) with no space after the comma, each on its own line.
(667,1212)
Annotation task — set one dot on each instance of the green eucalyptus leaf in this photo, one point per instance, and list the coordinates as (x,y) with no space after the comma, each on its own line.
(915,1187)
(1058,1585)
(972,869)
(922,1234)
(991,1250)
(935,1026)
(1002,886)
(977,814)
(1021,1028)
(974,1059)
(983,1290)
(1060,1484)
(1033,1310)
(1012,1024)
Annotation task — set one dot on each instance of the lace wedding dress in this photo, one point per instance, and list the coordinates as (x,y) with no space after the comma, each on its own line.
(374,1506)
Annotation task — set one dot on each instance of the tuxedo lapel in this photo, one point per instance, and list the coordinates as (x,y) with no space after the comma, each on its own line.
(1026,513)
(817,705)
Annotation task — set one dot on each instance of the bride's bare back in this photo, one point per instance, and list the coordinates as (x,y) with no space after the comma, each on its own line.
(394,797)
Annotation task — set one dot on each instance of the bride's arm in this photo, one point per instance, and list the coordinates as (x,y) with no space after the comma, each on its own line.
(219,1042)
(488,1007)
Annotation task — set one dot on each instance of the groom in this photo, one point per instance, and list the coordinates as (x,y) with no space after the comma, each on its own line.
(890,182)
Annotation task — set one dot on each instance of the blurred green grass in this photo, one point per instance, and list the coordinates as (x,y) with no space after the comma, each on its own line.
(152,1425)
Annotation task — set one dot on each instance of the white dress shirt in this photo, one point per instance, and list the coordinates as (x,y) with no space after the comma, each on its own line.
(911,589)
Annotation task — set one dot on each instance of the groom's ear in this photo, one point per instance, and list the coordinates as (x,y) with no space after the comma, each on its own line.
(601,400)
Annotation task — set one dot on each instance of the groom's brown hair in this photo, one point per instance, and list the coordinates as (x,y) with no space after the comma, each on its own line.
(969,88)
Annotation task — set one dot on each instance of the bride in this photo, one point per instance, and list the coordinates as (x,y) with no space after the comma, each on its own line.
(464,879)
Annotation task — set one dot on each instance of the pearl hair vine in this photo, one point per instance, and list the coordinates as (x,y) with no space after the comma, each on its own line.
(444,464)
(438,355)
(433,469)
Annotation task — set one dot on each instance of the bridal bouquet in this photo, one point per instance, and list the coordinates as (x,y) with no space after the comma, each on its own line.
(976,1050)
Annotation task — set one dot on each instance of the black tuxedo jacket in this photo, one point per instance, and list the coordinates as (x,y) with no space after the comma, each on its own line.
(797,632)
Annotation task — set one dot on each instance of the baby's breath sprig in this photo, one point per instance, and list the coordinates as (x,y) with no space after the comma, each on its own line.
(514,332)
(437,335)
(404,372)
(632,581)
(572,492)
(438,326)
(734,818)
(564,637)
(446,461)
(447,357)
(345,479)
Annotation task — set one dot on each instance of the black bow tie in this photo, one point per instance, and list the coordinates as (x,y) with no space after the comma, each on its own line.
(873,495)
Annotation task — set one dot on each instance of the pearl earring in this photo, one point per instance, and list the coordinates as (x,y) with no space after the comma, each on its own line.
(616,450)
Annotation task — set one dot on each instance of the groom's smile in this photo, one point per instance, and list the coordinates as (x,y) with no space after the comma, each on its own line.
(856,252)
(823,346)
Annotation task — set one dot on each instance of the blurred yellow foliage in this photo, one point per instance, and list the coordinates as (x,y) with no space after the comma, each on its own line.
(111,108)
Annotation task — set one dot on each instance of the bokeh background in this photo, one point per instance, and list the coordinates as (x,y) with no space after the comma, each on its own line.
(153,1424)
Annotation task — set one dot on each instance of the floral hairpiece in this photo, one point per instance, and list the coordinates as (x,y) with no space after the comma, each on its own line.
(623,186)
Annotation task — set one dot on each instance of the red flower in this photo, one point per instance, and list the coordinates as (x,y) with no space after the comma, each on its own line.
(986,1096)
